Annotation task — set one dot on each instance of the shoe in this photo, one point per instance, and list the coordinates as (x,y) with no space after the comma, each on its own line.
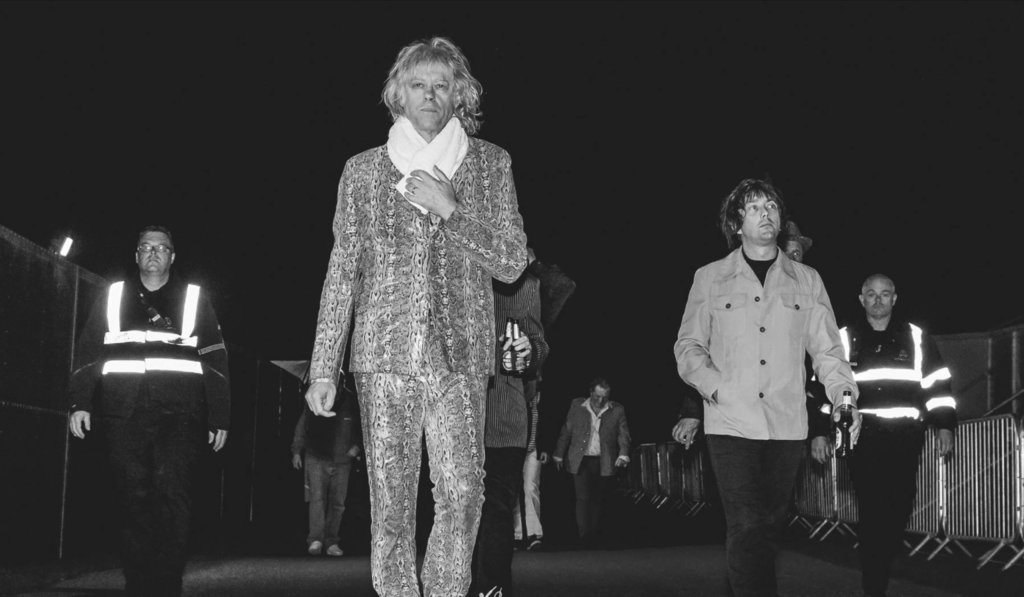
(534,544)
(335,551)
(314,548)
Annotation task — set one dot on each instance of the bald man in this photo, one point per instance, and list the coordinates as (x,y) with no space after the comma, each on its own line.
(904,386)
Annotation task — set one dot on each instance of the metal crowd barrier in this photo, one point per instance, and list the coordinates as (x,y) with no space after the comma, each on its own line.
(984,494)
(670,475)
(814,495)
(634,477)
(666,474)
(927,516)
(977,494)
(648,462)
(697,486)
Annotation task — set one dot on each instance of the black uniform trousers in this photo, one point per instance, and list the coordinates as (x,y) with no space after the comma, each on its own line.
(492,556)
(883,467)
(153,455)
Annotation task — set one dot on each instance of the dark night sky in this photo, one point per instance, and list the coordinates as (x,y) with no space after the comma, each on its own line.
(893,130)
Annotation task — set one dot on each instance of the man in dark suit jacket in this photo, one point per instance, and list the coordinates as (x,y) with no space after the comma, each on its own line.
(595,440)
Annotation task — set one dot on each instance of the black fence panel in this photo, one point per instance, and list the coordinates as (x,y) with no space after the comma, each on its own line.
(42,297)
(32,469)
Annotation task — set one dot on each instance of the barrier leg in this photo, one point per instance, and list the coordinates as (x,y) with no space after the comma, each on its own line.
(925,541)
(992,553)
(942,545)
(817,528)
(963,549)
(834,526)
(1013,560)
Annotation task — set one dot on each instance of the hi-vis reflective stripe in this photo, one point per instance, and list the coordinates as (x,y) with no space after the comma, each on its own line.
(142,336)
(892,413)
(143,366)
(892,373)
(188,322)
(114,307)
(124,367)
(940,402)
(884,373)
(940,375)
(918,350)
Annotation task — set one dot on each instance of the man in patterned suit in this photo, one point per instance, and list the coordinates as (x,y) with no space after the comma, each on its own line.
(422,227)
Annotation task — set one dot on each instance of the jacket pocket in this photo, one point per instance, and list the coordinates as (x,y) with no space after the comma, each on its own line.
(729,314)
(796,311)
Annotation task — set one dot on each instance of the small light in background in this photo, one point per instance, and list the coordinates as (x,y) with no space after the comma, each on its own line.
(66,248)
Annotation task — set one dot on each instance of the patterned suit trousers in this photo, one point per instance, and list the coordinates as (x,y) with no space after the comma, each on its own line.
(396,411)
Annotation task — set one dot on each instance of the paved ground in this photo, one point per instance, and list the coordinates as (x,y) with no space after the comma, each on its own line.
(650,553)
(682,570)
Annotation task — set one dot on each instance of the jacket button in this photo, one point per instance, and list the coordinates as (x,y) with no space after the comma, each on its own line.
(798,307)
(727,305)
(760,395)
(757,299)
(762,330)
(762,361)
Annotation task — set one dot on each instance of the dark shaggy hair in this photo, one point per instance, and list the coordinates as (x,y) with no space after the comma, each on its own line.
(730,218)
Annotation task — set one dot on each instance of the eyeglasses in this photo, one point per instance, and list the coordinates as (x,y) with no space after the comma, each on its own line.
(162,249)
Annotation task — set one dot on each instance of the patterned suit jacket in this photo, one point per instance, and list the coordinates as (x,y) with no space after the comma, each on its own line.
(420,286)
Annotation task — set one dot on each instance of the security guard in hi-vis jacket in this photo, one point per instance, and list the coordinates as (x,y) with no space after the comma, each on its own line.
(904,386)
(152,367)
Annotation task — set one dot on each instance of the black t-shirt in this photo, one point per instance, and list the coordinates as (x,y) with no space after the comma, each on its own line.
(760,267)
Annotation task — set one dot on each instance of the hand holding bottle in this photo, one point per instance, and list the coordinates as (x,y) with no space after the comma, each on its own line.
(515,347)
(847,420)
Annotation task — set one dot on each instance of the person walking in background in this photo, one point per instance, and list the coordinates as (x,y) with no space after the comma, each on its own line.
(152,366)
(423,225)
(592,445)
(330,445)
(526,517)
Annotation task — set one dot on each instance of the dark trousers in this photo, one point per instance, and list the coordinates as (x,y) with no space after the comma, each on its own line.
(883,468)
(492,556)
(152,456)
(591,493)
(328,487)
(756,480)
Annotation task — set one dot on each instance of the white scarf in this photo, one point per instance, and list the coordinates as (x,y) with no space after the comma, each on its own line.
(409,151)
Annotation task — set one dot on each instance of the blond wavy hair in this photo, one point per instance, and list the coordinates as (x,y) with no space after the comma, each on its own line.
(437,50)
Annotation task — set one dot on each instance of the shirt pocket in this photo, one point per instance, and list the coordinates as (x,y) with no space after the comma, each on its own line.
(729,314)
(796,312)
